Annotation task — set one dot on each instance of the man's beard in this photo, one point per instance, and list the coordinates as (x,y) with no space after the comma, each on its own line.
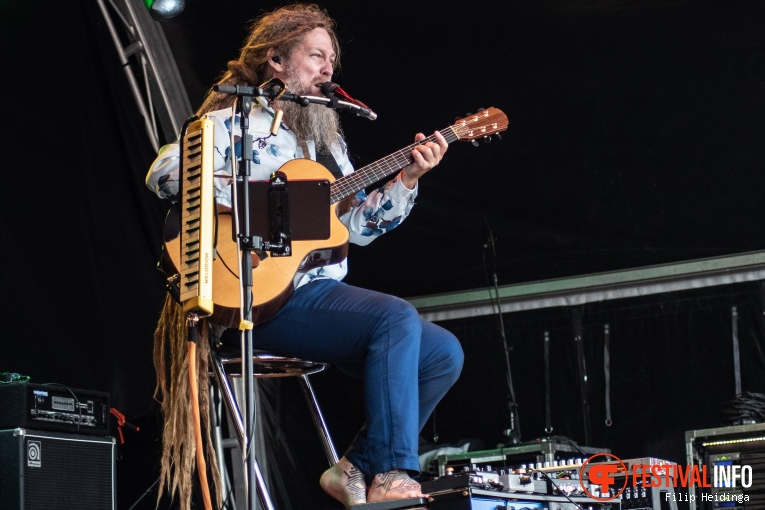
(313,122)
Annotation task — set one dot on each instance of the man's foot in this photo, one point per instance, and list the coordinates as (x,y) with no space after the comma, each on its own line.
(345,483)
(394,484)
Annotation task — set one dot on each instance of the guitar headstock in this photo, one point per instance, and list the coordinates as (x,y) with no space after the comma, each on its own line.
(480,125)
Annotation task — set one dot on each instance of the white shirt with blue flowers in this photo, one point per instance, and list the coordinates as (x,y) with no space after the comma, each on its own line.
(369,217)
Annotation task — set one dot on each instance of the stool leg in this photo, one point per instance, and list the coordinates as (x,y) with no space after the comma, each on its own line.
(216,434)
(236,416)
(318,421)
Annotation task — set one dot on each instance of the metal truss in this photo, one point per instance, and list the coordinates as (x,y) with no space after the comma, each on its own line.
(149,67)
(574,291)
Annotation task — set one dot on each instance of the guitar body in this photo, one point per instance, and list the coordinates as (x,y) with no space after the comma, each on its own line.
(272,277)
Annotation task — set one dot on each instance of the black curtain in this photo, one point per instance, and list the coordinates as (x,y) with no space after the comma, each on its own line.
(671,369)
(80,291)
(81,294)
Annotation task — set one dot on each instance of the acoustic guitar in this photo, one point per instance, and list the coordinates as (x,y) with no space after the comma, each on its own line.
(273,276)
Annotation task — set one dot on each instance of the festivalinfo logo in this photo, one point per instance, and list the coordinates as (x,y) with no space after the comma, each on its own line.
(602,469)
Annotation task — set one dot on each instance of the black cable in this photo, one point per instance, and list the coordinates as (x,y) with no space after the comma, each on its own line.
(74,397)
(747,407)
(555,486)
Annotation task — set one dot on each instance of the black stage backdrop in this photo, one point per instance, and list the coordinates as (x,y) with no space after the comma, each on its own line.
(635,138)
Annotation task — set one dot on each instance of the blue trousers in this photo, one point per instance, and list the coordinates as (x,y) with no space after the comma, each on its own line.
(406,364)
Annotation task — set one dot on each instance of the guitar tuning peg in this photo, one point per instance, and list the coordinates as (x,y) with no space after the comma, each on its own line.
(474,143)
(487,139)
(481,109)
(499,136)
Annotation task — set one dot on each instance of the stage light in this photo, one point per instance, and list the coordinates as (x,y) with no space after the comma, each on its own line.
(162,10)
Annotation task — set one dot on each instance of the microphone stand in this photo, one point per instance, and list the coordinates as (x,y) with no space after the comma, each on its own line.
(253,476)
(253,479)
(514,432)
(247,245)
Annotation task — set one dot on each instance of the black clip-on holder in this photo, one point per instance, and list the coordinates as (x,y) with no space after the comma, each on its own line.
(279,242)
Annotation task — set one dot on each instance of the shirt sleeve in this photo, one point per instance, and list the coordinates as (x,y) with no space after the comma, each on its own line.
(162,178)
(371,215)
(163,175)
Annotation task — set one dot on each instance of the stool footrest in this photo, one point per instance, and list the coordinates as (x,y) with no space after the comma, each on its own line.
(395,504)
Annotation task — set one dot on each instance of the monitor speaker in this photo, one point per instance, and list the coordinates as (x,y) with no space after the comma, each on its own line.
(56,471)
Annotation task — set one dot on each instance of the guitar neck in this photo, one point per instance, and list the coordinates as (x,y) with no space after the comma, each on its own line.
(370,174)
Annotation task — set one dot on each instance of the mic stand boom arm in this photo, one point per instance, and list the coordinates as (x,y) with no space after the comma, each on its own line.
(329,102)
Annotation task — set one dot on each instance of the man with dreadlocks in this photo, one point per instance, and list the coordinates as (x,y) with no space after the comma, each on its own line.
(407,364)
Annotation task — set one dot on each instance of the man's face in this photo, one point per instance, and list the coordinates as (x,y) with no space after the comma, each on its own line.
(310,64)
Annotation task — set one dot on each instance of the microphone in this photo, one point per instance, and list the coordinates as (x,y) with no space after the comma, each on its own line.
(333,89)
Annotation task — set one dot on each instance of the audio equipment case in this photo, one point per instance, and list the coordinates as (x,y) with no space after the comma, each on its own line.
(716,448)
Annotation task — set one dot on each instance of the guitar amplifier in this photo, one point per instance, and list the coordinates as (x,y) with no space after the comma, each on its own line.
(53,407)
(56,471)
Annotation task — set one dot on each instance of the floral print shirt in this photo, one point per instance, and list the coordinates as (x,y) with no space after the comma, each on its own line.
(370,216)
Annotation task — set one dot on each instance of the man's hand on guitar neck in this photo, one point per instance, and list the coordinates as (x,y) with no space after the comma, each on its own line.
(425,156)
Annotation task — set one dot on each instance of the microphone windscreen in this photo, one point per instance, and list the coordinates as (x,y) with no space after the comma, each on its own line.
(328,87)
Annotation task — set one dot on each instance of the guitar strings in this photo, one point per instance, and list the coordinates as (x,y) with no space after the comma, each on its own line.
(346,186)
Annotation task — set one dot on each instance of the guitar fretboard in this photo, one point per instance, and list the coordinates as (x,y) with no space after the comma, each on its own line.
(370,174)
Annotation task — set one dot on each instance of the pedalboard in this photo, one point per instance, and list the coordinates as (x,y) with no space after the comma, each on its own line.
(540,487)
